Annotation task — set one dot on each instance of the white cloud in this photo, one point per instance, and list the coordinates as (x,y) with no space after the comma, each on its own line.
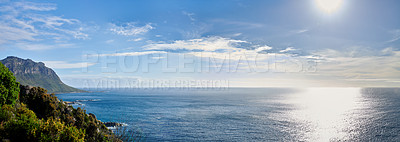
(77,34)
(190,15)
(237,34)
(263,48)
(390,51)
(51,21)
(9,33)
(136,39)
(130,29)
(66,65)
(243,25)
(132,53)
(196,31)
(63,27)
(302,31)
(342,65)
(240,54)
(396,35)
(204,44)
(110,41)
(36,6)
(30,46)
(23,21)
(219,50)
(287,49)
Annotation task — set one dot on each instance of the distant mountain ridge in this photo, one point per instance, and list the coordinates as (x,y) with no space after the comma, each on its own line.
(28,72)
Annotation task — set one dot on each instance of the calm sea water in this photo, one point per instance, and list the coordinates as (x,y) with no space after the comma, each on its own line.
(251,114)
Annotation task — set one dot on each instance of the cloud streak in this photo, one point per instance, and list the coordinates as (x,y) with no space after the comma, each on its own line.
(131,53)
(396,35)
(35,47)
(130,29)
(9,33)
(202,44)
(23,21)
(66,65)
(380,67)
(36,6)
(190,15)
(287,50)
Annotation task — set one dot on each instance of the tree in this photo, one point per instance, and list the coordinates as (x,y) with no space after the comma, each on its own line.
(9,88)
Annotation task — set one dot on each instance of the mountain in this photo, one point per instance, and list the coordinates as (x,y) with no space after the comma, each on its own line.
(28,72)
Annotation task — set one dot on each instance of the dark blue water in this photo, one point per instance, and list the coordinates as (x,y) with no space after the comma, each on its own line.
(251,114)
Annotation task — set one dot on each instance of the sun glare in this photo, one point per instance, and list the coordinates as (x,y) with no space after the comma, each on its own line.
(325,111)
(329,6)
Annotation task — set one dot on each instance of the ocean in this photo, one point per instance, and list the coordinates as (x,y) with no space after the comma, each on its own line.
(249,114)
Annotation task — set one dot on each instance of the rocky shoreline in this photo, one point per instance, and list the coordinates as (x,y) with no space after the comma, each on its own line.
(109,125)
(78,102)
(113,124)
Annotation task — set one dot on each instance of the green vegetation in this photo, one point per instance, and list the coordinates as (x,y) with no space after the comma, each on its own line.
(39,116)
(9,88)
(21,124)
(53,85)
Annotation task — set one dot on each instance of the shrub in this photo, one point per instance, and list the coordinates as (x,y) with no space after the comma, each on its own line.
(43,104)
(47,106)
(55,130)
(9,88)
(21,124)
(17,122)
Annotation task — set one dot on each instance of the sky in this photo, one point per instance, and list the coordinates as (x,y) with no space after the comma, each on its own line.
(208,43)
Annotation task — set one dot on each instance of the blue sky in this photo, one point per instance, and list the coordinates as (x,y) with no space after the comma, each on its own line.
(262,43)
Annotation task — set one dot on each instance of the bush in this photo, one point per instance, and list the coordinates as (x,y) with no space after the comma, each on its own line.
(55,130)
(43,104)
(9,88)
(21,124)
(17,122)
(47,106)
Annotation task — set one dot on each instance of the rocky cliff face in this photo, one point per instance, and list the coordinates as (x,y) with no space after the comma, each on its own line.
(32,73)
(26,66)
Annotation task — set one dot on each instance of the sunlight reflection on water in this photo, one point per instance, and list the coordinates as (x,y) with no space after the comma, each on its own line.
(323,113)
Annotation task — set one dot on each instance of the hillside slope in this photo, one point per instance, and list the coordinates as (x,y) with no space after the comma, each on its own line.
(32,73)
